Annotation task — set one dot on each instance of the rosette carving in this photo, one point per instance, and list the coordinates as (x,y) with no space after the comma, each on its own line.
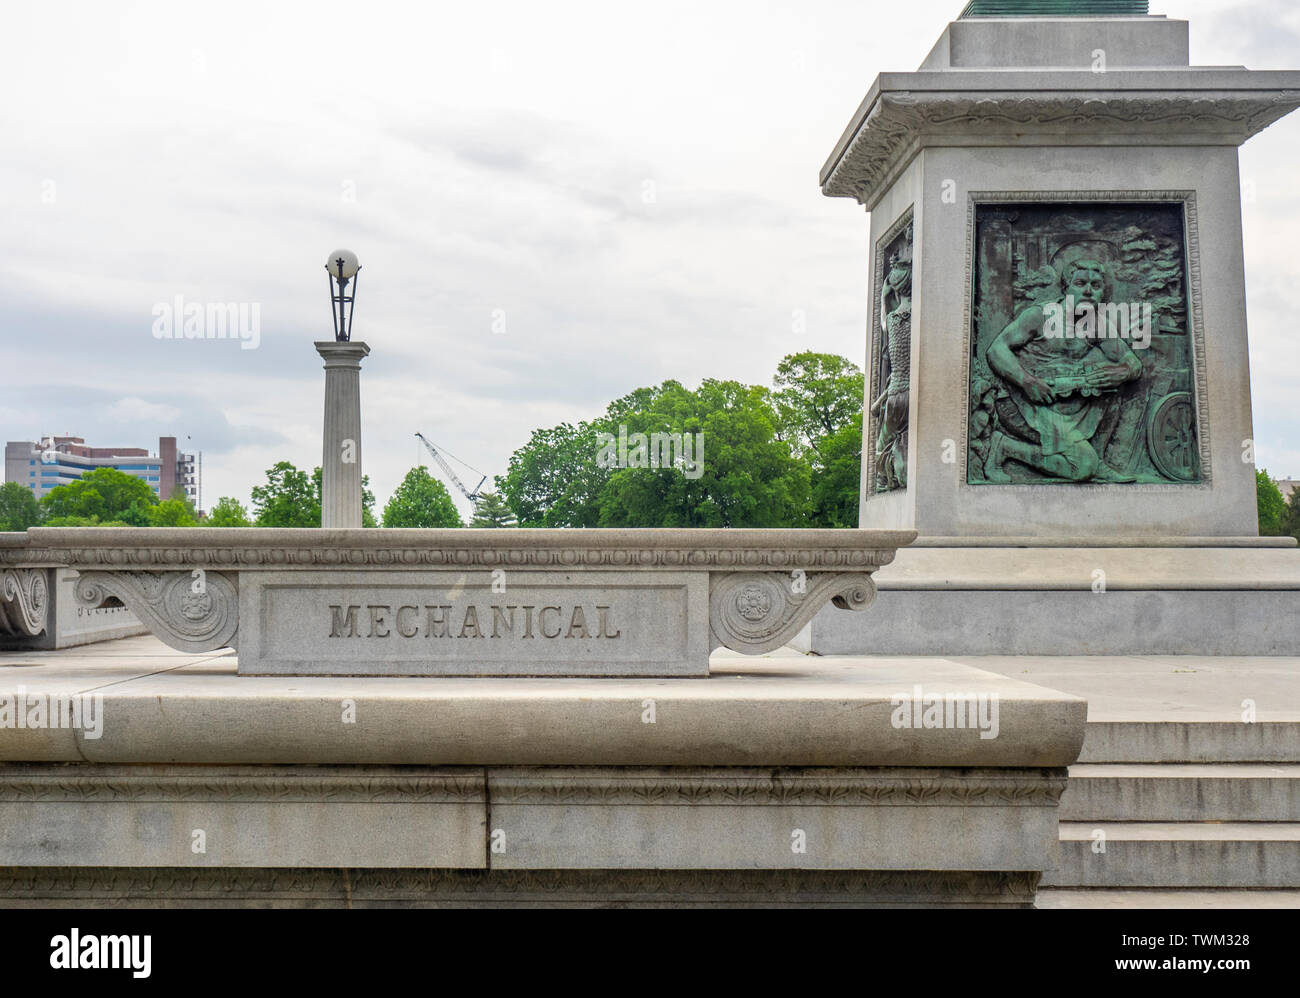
(191,611)
(756,612)
(24,601)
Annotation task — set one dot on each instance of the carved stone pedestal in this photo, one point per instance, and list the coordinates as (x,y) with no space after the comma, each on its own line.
(1060,201)
(470,602)
(1057,289)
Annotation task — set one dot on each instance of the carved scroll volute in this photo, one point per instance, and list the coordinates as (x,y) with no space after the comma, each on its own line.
(757,612)
(24,601)
(190,611)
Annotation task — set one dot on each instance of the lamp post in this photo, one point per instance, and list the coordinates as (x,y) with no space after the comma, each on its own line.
(342,267)
(340,504)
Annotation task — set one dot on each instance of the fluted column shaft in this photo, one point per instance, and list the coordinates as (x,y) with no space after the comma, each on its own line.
(340,501)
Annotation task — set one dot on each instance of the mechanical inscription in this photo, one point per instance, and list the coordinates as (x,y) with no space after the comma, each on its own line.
(497,620)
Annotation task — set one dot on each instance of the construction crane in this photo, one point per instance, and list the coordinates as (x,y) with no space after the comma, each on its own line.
(474,496)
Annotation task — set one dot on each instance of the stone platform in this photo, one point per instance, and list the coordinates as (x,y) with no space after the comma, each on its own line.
(780,779)
(1223,596)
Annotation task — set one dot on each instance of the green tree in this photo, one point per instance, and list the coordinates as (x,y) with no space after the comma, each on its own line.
(740,475)
(228,512)
(85,521)
(553,480)
(288,499)
(745,475)
(104,495)
(174,512)
(1291,522)
(818,402)
(836,476)
(1272,508)
(291,498)
(817,395)
(19,508)
(421,501)
(492,511)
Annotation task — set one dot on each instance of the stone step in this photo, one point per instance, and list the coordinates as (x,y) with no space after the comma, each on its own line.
(1239,792)
(1191,741)
(1187,898)
(1178,854)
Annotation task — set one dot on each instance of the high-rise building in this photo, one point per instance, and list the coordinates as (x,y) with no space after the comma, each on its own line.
(43,464)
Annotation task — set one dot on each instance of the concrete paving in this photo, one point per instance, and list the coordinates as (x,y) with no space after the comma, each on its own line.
(1164,687)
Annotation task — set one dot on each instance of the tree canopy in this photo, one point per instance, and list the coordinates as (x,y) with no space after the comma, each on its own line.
(737,473)
(421,501)
(102,495)
(19,507)
(492,511)
(228,512)
(737,455)
(291,498)
(288,499)
(1272,507)
(553,480)
(817,396)
(173,512)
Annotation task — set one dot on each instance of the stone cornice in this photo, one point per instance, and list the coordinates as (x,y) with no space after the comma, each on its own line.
(1063,107)
(252,548)
(275,786)
(609,787)
(1037,788)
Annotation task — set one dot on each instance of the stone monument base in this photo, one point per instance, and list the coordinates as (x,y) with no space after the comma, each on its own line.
(783,780)
(1013,596)
(38,887)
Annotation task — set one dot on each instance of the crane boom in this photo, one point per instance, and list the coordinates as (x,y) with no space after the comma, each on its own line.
(442,463)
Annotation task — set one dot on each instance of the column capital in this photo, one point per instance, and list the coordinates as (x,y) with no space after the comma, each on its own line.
(345,354)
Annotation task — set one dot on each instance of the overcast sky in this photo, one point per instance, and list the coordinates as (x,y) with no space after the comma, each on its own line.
(632,188)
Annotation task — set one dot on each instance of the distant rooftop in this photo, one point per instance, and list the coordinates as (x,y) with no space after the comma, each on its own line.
(1056,8)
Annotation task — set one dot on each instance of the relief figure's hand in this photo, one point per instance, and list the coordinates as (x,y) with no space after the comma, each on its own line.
(1110,376)
(1037,389)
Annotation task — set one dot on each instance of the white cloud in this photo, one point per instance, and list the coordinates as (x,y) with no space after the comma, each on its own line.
(137,410)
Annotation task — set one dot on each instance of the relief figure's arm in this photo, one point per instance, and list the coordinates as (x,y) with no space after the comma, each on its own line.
(1001,354)
(885,368)
(1121,355)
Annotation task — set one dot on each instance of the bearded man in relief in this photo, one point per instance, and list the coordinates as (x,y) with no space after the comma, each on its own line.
(1058,384)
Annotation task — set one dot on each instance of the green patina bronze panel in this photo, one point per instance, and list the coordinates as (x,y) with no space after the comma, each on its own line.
(1081,366)
(891,361)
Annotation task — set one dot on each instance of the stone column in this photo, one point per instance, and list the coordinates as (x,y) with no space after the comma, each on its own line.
(340,501)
